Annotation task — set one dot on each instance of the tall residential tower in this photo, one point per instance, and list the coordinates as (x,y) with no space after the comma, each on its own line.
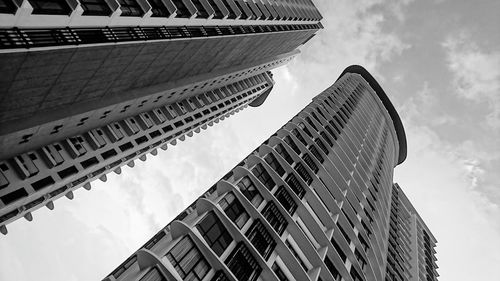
(314,202)
(88,86)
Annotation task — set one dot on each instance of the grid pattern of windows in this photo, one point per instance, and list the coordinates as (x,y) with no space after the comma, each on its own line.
(214,232)
(261,239)
(95,7)
(130,8)
(242,264)
(234,210)
(188,261)
(295,185)
(273,162)
(286,200)
(50,7)
(296,255)
(274,217)
(296,133)
(316,154)
(333,270)
(263,176)
(250,191)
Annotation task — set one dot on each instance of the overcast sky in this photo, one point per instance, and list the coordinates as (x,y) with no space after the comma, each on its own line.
(438,61)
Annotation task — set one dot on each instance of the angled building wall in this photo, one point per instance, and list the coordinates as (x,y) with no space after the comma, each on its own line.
(313,202)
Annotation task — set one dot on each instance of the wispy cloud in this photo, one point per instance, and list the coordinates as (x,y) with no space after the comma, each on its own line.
(476,73)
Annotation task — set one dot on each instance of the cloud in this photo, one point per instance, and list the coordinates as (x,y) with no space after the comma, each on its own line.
(476,74)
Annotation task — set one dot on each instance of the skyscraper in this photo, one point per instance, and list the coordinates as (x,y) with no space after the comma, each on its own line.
(88,86)
(315,201)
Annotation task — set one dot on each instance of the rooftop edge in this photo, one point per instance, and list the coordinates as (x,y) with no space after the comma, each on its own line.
(398,124)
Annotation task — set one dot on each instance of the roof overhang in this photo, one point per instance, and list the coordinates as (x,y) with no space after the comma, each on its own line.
(398,125)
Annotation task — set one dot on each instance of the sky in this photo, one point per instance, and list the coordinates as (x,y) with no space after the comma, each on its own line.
(439,63)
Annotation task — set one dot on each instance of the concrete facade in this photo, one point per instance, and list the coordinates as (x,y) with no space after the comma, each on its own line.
(313,202)
(87,86)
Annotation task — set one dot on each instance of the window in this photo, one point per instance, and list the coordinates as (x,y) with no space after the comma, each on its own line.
(214,232)
(108,154)
(43,183)
(130,8)
(159,10)
(153,275)
(274,217)
(279,273)
(89,162)
(234,210)
(341,253)
(286,200)
(329,264)
(242,264)
(126,146)
(220,276)
(295,185)
(67,172)
(355,275)
(188,261)
(296,133)
(321,145)
(301,170)
(296,255)
(261,239)
(360,259)
(316,154)
(263,176)
(310,163)
(14,196)
(328,140)
(273,162)
(292,144)
(50,7)
(304,128)
(282,151)
(250,191)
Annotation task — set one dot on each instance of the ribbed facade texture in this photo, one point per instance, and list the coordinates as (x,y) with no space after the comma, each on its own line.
(313,202)
(87,86)
(411,244)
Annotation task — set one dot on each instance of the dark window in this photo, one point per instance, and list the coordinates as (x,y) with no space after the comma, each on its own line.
(282,151)
(292,144)
(279,273)
(50,7)
(261,239)
(310,162)
(360,259)
(274,217)
(68,172)
(311,122)
(153,275)
(295,185)
(214,232)
(344,234)
(126,146)
(219,276)
(316,154)
(304,128)
(250,191)
(273,162)
(108,154)
(296,133)
(202,13)
(141,140)
(301,170)
(43,183)
(296,255)
(14,196)
(95,8)
(329,264)
(328,140)
(264,177)
(234,210)
(321,145)
(182,10)
(159,10)
(130,8)
(8,7)
(341,253)
(188,261)
(89,162)
(355,275)
(242,264)
(286,200)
